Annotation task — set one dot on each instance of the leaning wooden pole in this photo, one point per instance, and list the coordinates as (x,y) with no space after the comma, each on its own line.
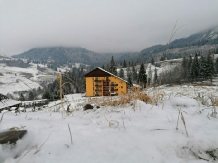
(61,93)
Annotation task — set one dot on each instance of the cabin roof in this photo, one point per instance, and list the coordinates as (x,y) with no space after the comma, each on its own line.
(100,72)
(6,102)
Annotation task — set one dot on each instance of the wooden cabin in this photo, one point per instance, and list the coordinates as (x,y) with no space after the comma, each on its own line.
(100,82)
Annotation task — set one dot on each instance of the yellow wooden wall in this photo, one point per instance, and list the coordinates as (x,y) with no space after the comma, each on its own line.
(90,85)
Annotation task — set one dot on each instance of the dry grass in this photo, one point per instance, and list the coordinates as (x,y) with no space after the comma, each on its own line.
(203,84)
(200,97)
(121,101)
(157,95)
(214,104)
(183,121)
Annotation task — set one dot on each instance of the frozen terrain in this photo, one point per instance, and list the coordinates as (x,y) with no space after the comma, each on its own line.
(15,79)
(133,133)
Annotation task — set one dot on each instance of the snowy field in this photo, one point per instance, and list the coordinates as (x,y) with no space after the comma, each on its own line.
(135,133)
(13,80)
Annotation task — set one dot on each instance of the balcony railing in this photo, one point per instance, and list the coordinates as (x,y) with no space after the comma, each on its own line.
(98,90)
(98,85)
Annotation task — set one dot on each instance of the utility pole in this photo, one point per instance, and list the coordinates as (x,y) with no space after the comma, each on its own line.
(59,78)
(61,93)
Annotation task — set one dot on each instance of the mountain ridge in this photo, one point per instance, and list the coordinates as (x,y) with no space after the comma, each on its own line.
(175,49)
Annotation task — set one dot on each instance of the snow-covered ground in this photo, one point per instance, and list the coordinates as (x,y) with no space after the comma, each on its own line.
(13,80)
(119,134)
(11,83)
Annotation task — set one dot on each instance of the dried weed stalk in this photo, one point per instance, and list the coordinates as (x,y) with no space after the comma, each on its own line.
(183,120)
(70,134)
(2,117)
(178,119)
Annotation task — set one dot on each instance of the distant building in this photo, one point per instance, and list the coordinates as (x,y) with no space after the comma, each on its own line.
(6,103)
(100,82)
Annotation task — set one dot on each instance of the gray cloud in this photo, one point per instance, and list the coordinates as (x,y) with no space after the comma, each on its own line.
(99,25)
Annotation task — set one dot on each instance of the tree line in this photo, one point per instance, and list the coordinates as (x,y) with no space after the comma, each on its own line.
(199,67)
(131,75)
(74,82)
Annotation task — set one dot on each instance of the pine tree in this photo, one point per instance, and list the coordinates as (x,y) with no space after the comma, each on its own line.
(195,68)
(129,80)
(113,68)
(142,77)
(155,77)
(128,71)
(163,57)
(210,65)
(134,74)
(216,51)
(31,96)
(216,65)
(121,73)
(189,66)
(124,63)
(202,69)
(22,97)
(184,67)
(152,60)
(46,95)
(107,67)
(149,74)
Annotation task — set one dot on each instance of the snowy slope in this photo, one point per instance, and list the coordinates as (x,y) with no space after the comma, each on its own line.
(115,134)
(11,83)
(14,80)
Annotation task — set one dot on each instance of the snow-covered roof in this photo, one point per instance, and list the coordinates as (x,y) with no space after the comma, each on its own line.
(8,102)
(112,74)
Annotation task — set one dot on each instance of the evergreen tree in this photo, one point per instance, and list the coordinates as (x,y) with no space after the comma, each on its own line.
(128,71)
(152,60)
(129,80)
(210,65)
(149,74)
(121,73)
(216,51)
(155,77)
(129,64)
(46,95)
(216,65)
(31,96)
(134,74)
(107,67)
(102,66)
(124,63)
(22,97)
(184,67)
(189,66)
(113,68)
(142,77)
(195,68)
(163,57)
(202,69)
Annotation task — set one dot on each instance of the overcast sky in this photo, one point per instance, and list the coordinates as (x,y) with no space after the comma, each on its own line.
(100,25)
